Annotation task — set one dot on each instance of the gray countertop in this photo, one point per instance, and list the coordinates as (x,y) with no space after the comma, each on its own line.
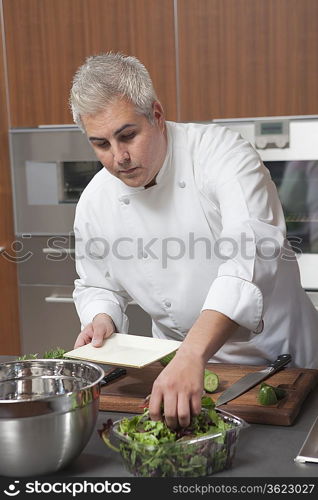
(262,450)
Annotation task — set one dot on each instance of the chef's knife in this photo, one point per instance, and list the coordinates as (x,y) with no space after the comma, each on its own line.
(309,450)
(251,379)
(113,375)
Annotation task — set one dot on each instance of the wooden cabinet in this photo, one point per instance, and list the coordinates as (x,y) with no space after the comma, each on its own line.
(245,58)
(232,58)
(9,313)
(46,41)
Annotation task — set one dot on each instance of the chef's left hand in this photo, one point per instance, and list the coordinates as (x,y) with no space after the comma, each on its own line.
(179,387)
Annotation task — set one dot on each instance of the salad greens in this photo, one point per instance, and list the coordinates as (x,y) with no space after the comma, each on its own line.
(56,353)
(151,449)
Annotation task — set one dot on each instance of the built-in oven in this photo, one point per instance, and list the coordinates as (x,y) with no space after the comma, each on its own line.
(50,168)
(288,147)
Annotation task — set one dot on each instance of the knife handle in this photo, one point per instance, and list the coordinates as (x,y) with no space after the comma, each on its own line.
(281,361)
(113,375)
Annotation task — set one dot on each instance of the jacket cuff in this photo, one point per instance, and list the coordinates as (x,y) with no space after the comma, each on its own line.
(107,307)
(240,300)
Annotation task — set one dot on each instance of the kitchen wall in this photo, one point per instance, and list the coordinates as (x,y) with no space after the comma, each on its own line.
(208,59)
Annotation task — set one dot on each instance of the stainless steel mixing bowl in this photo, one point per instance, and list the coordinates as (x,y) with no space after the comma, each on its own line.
(48,410)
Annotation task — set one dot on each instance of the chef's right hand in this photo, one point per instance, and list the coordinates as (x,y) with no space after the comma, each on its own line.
(101,328)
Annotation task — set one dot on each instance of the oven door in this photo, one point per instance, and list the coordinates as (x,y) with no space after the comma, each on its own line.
(293,164)
(50,169)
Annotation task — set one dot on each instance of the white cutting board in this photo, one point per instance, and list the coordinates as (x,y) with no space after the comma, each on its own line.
(126,350)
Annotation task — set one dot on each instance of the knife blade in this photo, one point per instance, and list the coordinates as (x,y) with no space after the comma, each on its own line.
(309,450)
(251,379)
(113,375)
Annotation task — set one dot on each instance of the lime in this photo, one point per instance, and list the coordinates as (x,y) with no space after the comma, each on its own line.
(280,392)
(270,395)
(267,395)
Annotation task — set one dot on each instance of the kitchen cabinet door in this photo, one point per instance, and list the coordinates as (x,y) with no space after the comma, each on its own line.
(46,41)
(246,58)
(49,318)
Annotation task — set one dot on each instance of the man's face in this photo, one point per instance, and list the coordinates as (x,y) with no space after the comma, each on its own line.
(126,143)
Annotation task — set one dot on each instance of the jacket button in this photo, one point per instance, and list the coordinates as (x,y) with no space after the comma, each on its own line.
(167,303)
(125,200)
(182,184)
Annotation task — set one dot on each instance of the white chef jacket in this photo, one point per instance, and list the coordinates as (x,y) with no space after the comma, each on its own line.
(210,234)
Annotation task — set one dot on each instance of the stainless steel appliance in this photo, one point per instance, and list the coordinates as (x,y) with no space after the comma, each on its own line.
(50,168)
(288,146)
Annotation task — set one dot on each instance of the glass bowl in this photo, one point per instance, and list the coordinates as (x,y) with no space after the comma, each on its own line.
(187,457)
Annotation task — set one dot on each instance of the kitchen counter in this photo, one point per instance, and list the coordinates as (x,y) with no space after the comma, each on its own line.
(262,451)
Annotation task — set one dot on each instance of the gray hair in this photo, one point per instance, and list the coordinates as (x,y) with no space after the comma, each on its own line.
(104,77)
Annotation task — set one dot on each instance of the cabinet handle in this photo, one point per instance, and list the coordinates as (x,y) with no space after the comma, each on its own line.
(69,300)
(58,250)
(56,299)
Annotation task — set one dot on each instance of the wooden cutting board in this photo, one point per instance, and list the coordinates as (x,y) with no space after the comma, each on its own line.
(127,393)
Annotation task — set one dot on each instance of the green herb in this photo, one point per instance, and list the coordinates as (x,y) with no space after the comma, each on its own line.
(151,449)
(210,380)
(270,395)
(27,356)
(56,353)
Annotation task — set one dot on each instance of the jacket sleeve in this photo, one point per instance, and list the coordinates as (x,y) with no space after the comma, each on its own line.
(96,291)
(251,241)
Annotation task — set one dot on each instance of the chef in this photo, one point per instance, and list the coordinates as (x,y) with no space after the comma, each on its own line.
(185,220)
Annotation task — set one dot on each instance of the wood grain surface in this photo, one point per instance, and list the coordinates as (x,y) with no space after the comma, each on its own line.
(245,58)
(127,393)
(47,40)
